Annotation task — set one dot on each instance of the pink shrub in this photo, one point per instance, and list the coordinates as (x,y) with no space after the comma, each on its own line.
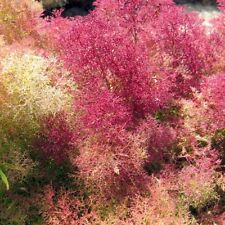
(102,113)
(112,59)
(204,115)
(182,43)
(132,17)
(131,60)
(217,44)
(146,82)
(56,138)
(159,208)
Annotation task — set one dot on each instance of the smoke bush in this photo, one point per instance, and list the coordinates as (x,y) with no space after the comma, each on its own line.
(116,170)
(160,208)
(213,93)
(145,92)
(182,44)
(209,102)
(130,60)
(133,105)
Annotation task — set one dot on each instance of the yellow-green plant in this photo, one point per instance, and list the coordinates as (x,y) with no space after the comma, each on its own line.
(26,81)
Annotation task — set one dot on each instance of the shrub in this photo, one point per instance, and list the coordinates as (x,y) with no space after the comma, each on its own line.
(212,91)
(160,208)
(127,68)
(138,125)
(29,94)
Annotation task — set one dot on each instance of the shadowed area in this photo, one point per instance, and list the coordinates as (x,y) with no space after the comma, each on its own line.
(201,2)
(70,8)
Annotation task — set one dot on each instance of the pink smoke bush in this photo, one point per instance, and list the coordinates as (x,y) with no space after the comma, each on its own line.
(130,60)
(56,138)
(147,85)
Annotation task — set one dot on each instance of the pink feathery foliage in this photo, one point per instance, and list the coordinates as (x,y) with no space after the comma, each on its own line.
(156,139)
(129,59)
(118,86)
(217,44)
(49,30)
(182,44)
(213,89)
(56,138)
(116,171)
(159,207)
(220,218)
(102,113)
(133,16)
(64,208)
(109,56)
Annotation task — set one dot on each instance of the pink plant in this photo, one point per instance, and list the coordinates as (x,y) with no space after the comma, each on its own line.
(56,138)
(112,59)
(213,93)
(181,40)
(116,169)
(156,139)
(64,208)
(130,60)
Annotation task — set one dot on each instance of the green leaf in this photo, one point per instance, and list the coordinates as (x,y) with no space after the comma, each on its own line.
(4,179)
